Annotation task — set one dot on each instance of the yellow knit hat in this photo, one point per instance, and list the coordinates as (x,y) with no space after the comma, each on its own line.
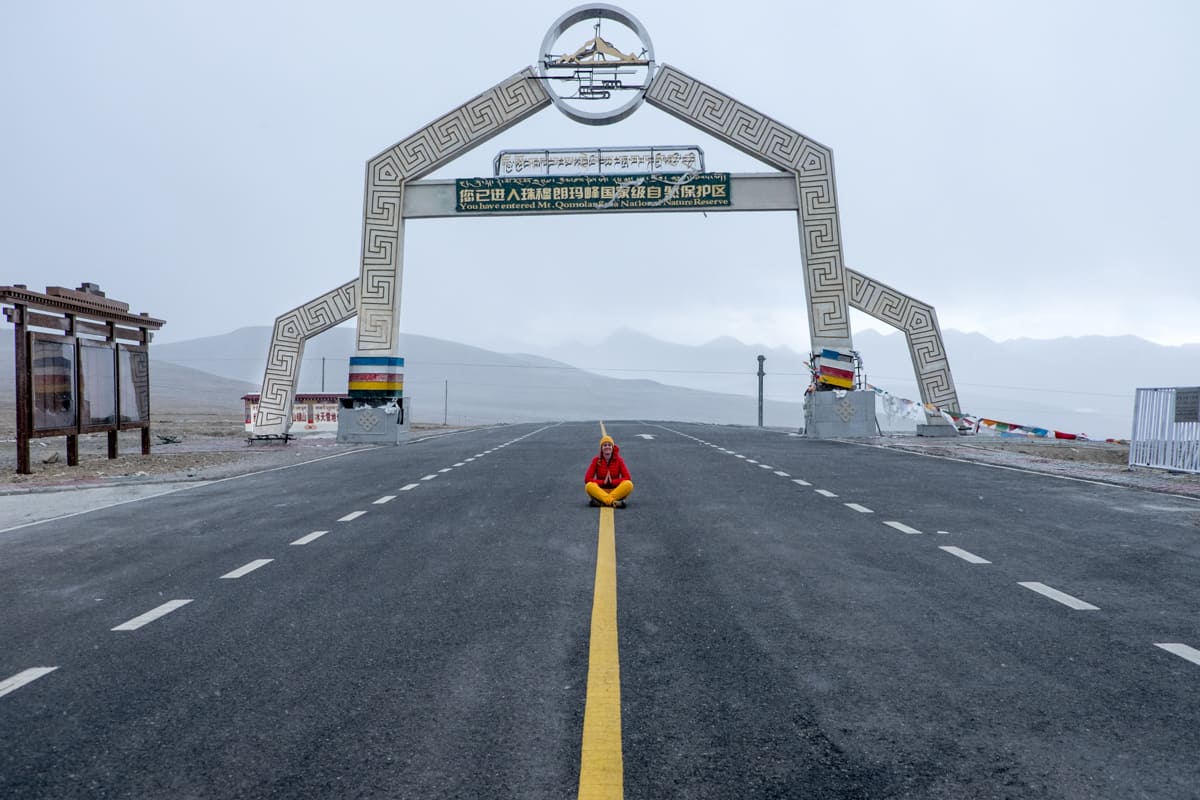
(607,438)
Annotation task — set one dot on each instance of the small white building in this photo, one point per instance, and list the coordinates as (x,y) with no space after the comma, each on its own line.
(311,413)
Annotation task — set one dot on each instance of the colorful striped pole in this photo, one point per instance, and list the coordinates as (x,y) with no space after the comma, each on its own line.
(835,368)
(376,377)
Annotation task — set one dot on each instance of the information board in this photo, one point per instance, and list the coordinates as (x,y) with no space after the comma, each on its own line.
(1187,404)
(593,192)
(53,374)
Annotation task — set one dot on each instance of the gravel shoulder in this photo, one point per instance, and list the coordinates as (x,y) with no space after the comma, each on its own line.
(1100,462)
(187,449)
(186,446)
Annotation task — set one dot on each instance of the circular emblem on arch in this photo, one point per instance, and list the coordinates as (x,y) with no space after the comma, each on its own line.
(597,61)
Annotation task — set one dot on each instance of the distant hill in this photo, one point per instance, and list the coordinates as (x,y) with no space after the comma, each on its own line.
(721,365)
(468,385)
(178,389)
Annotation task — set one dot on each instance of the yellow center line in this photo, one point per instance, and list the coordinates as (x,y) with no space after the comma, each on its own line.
(601,770)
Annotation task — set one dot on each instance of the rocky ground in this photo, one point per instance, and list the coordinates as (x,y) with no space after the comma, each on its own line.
(1084,452)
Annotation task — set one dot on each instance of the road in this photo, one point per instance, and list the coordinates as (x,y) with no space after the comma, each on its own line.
(790,618)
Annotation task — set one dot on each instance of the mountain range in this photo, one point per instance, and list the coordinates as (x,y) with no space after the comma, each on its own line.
(1072,384)
(460,384)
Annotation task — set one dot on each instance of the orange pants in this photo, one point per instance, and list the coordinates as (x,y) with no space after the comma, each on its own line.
(607,498)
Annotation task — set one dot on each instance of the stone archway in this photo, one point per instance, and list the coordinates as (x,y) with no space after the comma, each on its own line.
(831,288)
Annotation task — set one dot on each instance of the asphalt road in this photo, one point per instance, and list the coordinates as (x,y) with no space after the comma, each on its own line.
(795,618)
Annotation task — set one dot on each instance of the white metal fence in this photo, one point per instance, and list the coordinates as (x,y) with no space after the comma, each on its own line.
(1166,429)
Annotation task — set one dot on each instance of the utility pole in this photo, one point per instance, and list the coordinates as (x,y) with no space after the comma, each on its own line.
(446,403)
(761,359)
(322,374)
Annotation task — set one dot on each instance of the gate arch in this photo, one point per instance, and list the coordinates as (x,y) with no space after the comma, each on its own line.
(831,287)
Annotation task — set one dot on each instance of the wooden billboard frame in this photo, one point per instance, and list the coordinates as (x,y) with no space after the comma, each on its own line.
(81,318)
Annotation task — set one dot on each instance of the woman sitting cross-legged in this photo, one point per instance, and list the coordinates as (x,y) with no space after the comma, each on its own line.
(607,481)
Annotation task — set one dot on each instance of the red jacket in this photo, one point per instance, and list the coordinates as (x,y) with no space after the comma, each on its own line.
(608,474)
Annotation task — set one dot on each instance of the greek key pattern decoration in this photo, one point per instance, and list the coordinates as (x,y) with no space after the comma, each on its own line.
(507,103)
(919,322)
(776,144)
(292,330)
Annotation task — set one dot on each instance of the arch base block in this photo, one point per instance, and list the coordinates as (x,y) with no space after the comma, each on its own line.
(840,415)
(376,422)
(938,430)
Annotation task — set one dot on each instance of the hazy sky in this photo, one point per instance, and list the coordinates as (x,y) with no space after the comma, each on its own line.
(1028,168)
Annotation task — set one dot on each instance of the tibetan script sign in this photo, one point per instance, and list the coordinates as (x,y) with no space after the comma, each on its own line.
(598,161)
(593,192)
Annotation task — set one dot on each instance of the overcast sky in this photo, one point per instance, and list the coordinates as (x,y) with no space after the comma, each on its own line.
(1028,168)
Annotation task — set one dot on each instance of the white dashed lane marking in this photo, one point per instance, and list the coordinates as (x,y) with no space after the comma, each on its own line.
(859,509)
(964,555)
(1181,650)
(429,477)
(1061,597)
(799,482)
(782,474)
(900,526)
(23,677)
(353,515)
(409,487)
(825,493)
(765,466)
(246,569)
(387,498)
(151,615)
(310,537)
